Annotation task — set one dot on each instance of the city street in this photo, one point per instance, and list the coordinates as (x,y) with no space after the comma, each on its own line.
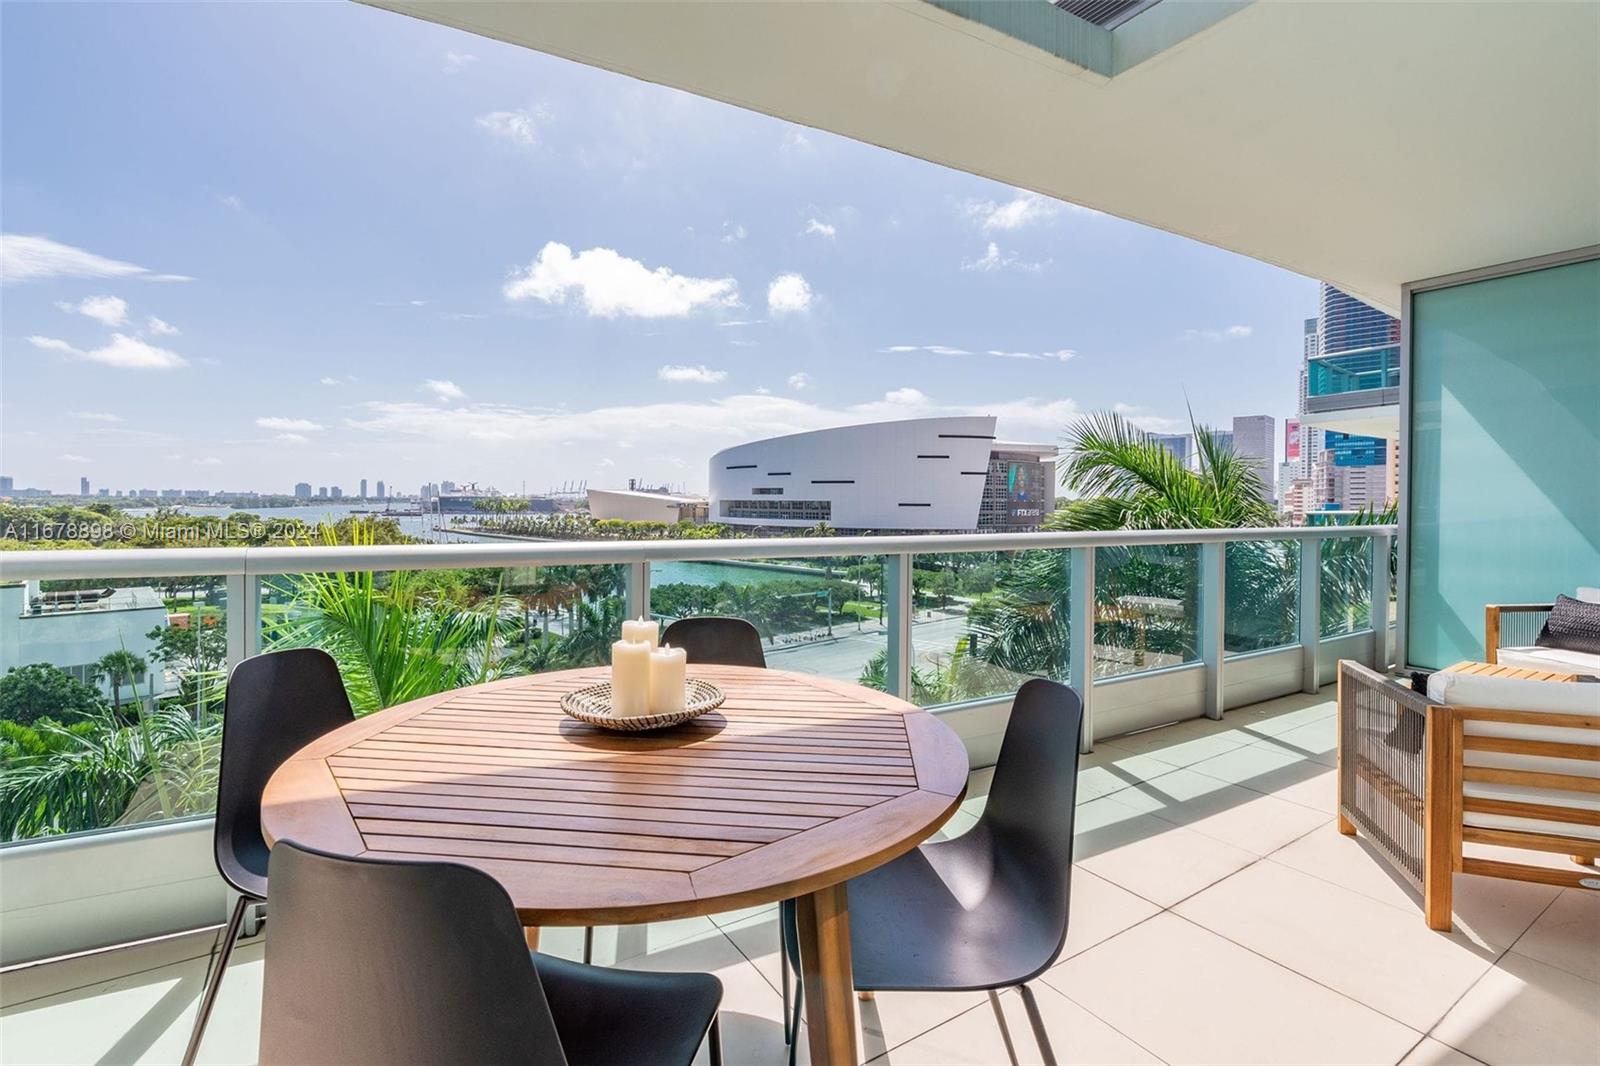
(848,652)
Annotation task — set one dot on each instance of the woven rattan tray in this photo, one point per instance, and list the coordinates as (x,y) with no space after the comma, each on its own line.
(592,704)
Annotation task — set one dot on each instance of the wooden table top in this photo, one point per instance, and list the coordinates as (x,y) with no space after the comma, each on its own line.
(1496,670)
(794,784)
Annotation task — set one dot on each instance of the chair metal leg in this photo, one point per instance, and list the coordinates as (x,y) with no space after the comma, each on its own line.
(715,1040)
(783,985)
(214,975)
(1036,1019)
(794,1019)
(1005,1030)
(588,943)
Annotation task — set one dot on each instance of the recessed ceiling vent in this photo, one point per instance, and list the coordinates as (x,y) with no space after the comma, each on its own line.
(1107,14)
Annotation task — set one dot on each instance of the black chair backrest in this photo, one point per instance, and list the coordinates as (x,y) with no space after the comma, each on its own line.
(717,641)
(1033,796)
(397,963)
(276,704)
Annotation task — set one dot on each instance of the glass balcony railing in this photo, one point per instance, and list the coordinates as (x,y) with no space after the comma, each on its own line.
(1357,371)
(111,687)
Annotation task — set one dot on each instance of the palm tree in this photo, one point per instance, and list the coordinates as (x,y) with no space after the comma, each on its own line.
(393,640)
(118,668)
(1126,480)
(102,772)
(1123,479)
(589,642)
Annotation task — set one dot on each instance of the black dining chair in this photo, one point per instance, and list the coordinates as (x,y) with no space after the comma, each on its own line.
(722,641)
(986,910)
(275,704)
(716,640)
(400,962)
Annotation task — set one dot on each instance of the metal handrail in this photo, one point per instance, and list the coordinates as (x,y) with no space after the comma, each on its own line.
(200,562)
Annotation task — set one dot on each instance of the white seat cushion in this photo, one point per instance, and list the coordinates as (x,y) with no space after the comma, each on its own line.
(1588,595)
(1556,660)
(1518,694)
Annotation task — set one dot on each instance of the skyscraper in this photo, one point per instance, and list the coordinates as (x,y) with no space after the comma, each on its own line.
(1181,445)
(302,490)
(1348,324)
(1255,440)
(1310,439)
(83,486)
(1349,384)
(381,495)
(7,485)
(363,488)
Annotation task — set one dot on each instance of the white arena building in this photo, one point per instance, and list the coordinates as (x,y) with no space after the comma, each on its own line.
(919,475)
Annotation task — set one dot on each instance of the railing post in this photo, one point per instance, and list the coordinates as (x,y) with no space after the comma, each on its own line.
(1213,620)
(1378,612)
(1310,612)
(243,620)
(636,596)
(900,607)
(1080,636)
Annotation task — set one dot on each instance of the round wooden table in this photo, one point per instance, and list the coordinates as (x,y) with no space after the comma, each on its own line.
(793,786)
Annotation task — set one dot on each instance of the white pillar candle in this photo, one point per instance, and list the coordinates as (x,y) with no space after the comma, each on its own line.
(667,680)
(644,630)
(630,678)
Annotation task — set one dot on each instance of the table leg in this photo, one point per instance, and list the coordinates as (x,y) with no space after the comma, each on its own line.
(530,933)
(824,928)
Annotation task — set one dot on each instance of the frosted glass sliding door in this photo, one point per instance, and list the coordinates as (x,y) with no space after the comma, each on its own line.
(1504,463)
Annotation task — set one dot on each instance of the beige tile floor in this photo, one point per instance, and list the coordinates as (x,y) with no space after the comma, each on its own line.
(1217,917)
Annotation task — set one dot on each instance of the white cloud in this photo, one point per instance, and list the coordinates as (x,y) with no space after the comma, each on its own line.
(121,351)
(448,391)
(733,232)
(330,381)
(293,438)
(455,61)
(37,258)
(1151,423)
(96,416)
(742,322)
(521,127)
(1061,355)
(800,381)
(795,141)
(161,327)
(1022,210)
(700,375)
(788,294)
(932,349)
(610,285)
(762,390)
(1214,335)
(71,458)
(232,202)
(690,428)
(906,395)
(107,310)
(821,229)
(290,425)
(209,460)
(994,259)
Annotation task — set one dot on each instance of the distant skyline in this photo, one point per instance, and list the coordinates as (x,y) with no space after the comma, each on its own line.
(251,245)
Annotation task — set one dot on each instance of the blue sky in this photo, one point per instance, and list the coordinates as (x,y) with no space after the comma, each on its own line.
(248,245)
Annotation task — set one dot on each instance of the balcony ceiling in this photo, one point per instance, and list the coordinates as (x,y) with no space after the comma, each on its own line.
(1368,144)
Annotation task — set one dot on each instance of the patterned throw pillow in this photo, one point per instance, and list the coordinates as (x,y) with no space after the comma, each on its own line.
(1573,626)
